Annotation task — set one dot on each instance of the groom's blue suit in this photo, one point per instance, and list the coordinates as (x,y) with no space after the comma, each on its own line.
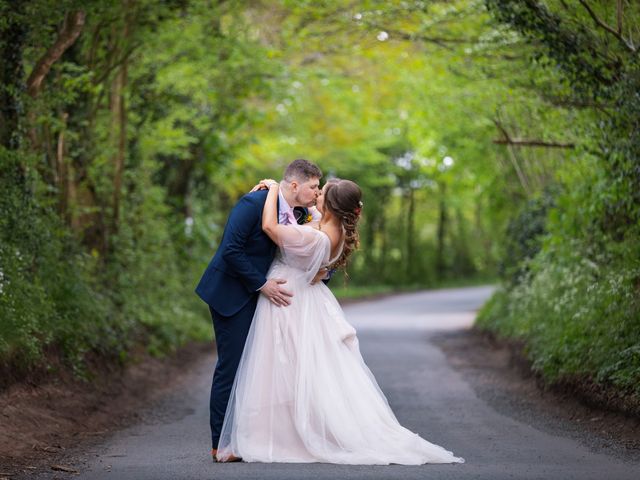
(230,286)
(239,267)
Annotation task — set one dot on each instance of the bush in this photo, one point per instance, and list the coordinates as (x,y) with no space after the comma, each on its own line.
(45,293)
(578,316)
(55,298)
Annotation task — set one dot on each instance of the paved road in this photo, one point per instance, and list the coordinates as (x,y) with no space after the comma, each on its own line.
(427,395)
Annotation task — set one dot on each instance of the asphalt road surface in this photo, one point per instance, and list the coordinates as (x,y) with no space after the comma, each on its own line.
(427,395)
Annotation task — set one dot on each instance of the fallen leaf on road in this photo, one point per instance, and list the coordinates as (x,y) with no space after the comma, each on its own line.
(62,468)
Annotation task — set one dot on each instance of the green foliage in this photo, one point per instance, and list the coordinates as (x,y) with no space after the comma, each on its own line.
(118,176)
(153,294)
(46,294)
(576,298)
(603,68)
(54,296)
(523,238)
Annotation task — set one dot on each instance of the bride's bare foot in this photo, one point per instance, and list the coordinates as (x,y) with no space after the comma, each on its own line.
(230,458)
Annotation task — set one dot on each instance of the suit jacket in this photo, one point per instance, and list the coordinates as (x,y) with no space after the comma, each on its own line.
(239,267)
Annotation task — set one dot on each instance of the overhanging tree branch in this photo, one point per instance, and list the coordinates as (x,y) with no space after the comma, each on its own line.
(608,28)
(518,142)
(619,16)
(531,143)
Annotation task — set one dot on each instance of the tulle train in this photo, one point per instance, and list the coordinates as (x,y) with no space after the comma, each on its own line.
(304,394)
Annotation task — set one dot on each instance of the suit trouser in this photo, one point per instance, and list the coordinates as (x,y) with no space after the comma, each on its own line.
(231,335)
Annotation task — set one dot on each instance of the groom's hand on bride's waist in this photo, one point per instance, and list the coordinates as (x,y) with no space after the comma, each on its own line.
(274,291)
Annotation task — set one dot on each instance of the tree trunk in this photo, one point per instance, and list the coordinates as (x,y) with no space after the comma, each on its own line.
(66,180)
(119,121)
(71,29)
(85,211)
(61,169)
(384,247)
(410,235)
(464,262)
(370,235)
(480,233)
(442,228)
(119,135)
(68,34)
(12,78)
(180,187)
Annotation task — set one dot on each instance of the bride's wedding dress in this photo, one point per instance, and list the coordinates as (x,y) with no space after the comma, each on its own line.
(302,392)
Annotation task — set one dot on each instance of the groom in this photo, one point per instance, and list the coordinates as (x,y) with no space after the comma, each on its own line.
(236,276)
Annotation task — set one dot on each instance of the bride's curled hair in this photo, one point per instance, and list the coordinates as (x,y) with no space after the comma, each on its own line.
(343,198)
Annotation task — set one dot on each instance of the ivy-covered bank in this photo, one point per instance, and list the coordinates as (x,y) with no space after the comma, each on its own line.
(571,274)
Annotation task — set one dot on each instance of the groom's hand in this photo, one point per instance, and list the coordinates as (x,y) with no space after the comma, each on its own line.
(275,293)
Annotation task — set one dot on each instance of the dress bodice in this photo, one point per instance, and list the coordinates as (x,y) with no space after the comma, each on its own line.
(305,250)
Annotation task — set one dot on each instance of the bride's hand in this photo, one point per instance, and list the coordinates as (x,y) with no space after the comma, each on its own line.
(321,275)
(263,184)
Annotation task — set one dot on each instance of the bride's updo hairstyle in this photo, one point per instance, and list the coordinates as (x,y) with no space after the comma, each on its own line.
(343,199)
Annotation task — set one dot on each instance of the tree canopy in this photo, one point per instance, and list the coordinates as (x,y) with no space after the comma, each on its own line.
(490,138)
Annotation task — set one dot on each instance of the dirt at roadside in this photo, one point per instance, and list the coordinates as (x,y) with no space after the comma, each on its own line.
(39,423)
(502,377)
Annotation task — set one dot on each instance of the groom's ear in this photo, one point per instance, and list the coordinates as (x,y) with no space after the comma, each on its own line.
(294,186)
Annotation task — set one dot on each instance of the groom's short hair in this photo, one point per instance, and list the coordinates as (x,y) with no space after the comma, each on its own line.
(301,170)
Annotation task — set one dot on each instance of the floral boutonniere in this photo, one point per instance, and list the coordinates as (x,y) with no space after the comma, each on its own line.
(302,215)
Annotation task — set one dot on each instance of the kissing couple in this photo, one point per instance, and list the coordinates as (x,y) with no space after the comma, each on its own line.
(290,384)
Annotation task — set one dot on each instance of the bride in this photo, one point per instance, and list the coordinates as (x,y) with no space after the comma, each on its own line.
(302,392)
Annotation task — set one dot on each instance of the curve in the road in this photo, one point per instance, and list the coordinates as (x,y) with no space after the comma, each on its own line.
(427,395)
